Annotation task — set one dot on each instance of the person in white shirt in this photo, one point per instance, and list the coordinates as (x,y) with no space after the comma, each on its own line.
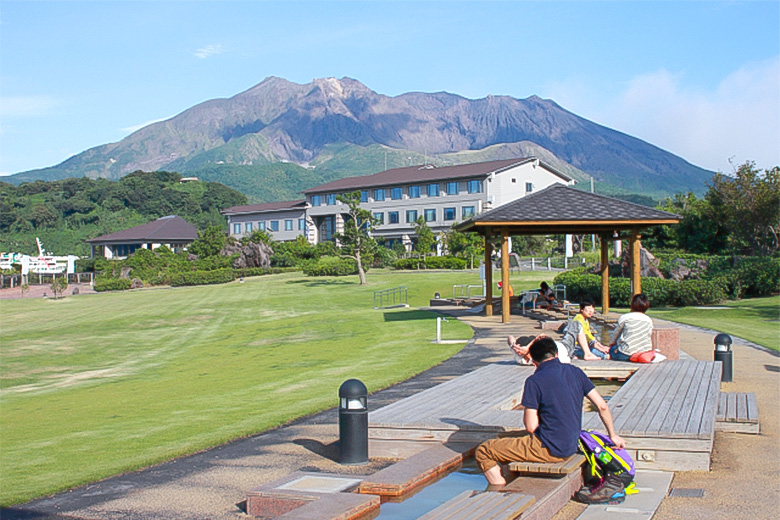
(634,331)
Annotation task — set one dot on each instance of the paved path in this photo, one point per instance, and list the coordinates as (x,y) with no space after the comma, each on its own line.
(744,481)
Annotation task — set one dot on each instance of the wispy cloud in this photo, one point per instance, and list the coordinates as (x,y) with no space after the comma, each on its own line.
(26,106)
(208,51)
(135,128)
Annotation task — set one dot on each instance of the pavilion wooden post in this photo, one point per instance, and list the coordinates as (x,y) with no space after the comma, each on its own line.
(488,274)
(604,275)
(505,276)
(636,263)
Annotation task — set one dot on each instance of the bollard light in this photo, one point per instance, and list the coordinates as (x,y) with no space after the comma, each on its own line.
(437,296)
(725,355)
(353,422)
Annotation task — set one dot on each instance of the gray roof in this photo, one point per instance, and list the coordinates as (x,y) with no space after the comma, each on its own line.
(261,208)
(426,173)
(561,209)
(165,229)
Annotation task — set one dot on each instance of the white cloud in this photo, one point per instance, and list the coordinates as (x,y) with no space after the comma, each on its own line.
(208,51)
(739,119)
(135,128)
(26,106)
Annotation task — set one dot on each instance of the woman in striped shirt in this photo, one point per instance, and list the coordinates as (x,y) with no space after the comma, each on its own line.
(633,332)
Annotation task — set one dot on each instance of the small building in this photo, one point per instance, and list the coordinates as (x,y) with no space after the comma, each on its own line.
(283,220)
(172,231)
(442,196)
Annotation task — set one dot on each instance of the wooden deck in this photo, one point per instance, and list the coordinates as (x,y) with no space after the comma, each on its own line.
(488,505)
(666,411)
(737,413)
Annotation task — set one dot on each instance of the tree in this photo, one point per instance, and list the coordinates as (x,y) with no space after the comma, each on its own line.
(209,243)
(425,237)
(748,205)
(58,286)
(356,241)
(470,246)
(698,231)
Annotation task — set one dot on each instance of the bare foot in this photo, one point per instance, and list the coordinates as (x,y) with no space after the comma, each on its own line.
(591,357)
(510,340)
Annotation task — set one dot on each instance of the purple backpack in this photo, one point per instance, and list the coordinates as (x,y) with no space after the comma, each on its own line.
(603,457)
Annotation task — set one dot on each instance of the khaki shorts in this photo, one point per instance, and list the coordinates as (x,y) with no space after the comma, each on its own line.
(525,448)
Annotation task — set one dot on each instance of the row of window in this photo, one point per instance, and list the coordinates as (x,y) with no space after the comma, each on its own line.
(429,215)
(273,225)
(397,193)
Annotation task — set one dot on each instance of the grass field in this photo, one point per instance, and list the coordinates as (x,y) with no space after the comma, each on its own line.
(756,319)
(96,385)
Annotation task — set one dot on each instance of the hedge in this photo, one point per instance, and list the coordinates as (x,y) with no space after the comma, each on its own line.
(203,277)
(330,266)
(112,284)
(582,286)
(431,262)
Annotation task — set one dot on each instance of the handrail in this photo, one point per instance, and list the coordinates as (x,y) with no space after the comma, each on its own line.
(399,296)
(464,290)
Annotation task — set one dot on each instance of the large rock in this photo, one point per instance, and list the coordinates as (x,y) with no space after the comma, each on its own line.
(249,255)
(648,265)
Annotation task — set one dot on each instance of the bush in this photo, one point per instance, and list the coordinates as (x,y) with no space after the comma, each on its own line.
(112,284)
(203,277)
(330,266)
(431,262)
(582,286)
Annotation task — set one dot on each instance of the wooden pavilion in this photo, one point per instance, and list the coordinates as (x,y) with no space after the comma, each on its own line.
(559,210)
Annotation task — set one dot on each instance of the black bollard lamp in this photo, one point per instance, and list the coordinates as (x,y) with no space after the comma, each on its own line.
(353,422)
(725,355)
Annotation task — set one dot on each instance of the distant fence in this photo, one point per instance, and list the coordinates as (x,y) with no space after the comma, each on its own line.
(15,280)
(395,297)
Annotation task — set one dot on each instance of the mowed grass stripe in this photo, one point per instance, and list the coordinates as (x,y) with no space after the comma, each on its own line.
(97,385)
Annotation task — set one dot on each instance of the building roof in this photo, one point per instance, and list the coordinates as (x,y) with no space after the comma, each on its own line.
(262,208)
(165,229)
(563,209)
(426,173)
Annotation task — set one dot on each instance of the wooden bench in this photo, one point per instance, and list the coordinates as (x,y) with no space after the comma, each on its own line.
(666,414)
(737,413)
(475,505)
(555,469)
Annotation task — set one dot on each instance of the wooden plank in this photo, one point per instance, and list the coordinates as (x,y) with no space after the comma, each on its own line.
(741,415)
(684,382)
(680,424)
(752,406)
(707,425)
(662,405)
(638,406)
(471,505)
(722,406)
(564,467)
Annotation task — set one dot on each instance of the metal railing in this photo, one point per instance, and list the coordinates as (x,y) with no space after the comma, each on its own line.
(464,290)
(395,297)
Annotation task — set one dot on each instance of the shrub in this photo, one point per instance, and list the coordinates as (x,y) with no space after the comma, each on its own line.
(330,266)
(431,262)
(111,284)
(203,277)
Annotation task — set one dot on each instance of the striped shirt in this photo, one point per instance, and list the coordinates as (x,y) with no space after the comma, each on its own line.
(633,333)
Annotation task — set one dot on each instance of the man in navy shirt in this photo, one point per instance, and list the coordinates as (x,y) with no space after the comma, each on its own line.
(552,399)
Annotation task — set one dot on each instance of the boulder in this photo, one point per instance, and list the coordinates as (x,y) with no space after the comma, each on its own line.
(250,255)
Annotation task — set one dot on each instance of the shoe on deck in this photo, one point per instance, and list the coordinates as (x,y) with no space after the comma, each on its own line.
(611,490)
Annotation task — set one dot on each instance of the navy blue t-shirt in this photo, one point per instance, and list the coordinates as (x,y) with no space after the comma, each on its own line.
(556,390)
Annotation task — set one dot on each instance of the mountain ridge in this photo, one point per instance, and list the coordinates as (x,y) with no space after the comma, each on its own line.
(281,121)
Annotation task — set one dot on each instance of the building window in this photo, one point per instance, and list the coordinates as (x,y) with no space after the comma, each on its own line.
(474,186)
(274,225)
(380,218)
(316,200)
(301,224)
(467,212)
(414,192)
(452,188)
(433,190)
(411,216)
(397,193)
(330,199)
(449,213)
(392,217)
(261,226)
(248,227)
(430,215)
(364,196)
(288,224)
(236,229)
(529,187)
(379,194)
(328,227)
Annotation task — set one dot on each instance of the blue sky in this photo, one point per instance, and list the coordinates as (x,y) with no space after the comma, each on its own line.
(698,78)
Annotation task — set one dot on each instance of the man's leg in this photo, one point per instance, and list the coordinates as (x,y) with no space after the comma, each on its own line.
(491,454)
(587,355)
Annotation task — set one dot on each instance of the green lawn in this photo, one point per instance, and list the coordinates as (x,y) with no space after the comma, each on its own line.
(95,385)
(756,319)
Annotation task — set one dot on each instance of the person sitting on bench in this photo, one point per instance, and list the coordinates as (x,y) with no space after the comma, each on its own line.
(578,338)
(552,398)
(634,331)
(547,296)
(523,353)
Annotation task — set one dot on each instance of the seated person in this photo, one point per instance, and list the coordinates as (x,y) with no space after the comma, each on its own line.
(547,296)
(634,331)
(523,353)
(579,340)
